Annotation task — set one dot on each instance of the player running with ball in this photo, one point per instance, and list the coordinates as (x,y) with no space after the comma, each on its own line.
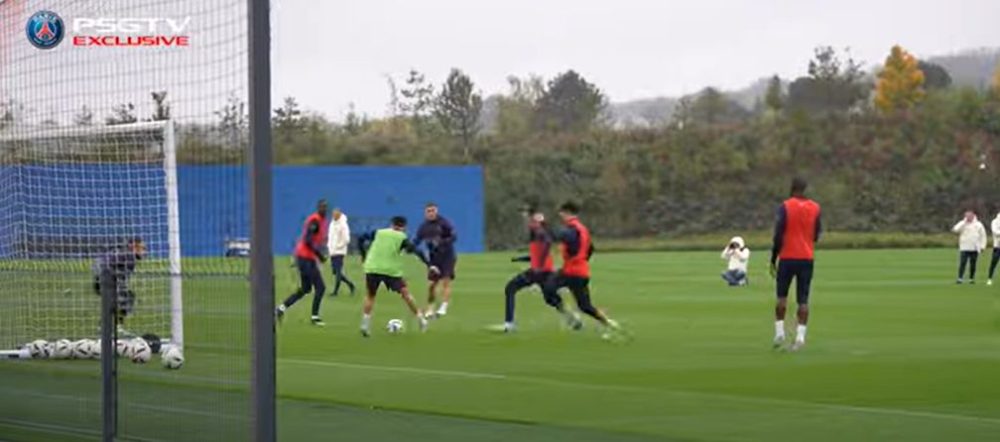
(382,254)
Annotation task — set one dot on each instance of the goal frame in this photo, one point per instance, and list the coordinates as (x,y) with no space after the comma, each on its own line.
(167,131)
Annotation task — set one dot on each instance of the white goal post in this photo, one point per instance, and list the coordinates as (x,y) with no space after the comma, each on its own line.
(69,195)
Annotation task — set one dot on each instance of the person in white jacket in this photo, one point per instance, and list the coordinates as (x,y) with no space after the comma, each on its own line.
(995,230)
(338,240)
(971,242)
(738,255)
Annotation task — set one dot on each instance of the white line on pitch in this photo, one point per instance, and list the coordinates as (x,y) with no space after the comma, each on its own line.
(625,388)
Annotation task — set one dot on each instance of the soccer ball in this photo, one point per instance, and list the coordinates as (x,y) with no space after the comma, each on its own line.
(141,352)
(394,326)
(62,349)
(39,349)
(172,358)
(123,347)
(83,349)
(95,349)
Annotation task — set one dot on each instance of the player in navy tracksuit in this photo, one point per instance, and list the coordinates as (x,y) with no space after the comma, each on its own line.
(120,263)
(440,236)
(540,259)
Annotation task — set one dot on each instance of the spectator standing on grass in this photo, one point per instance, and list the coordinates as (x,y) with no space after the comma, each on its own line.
(995,230)
(339,239)
(971,242)
(738,255)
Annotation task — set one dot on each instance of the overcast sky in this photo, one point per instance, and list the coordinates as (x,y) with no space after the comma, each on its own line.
(330,53)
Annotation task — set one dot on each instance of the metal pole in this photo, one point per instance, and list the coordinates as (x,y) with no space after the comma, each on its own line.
(262,371)
(109,360)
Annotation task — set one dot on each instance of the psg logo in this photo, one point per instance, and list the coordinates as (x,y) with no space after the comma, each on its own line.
(45,29)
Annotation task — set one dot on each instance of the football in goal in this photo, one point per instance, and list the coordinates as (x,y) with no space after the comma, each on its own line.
(73,201)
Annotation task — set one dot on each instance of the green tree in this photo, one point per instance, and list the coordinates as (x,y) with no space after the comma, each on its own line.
(234,122)
(833,85)
(712,107)
(516,109)
(458,107)
(417,100)
(774,98)
(288,117)
(935,76)
(161,109)
(84,117)
(121,114)
(354,124)
(995,83)
(569,104)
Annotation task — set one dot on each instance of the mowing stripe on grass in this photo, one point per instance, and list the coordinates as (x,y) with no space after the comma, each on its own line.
(50,428)
(134,404)
(624,388)
(412,370)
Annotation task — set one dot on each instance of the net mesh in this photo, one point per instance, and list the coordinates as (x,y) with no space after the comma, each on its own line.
(70,197)
(89,137)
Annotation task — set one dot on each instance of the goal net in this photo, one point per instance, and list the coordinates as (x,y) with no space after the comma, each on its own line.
(71,196)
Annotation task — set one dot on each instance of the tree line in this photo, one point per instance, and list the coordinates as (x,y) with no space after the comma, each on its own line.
(900,149)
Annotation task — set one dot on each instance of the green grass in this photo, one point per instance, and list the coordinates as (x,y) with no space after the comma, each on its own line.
(762,240)
(896,352)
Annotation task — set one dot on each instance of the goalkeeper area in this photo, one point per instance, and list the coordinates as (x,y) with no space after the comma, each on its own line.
(71,196)
(891,358)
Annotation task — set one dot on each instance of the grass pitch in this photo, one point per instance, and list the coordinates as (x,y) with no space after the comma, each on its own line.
(896,351)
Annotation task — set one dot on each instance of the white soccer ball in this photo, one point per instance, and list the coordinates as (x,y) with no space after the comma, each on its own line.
(62,349)
(394,326)
(39,349)
(173,358)
(95,349)
(123,348)
(83,349)
(141,352)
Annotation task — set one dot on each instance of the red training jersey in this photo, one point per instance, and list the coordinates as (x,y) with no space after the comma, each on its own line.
(309,242)
(577,264)
(801,224)
(538,251)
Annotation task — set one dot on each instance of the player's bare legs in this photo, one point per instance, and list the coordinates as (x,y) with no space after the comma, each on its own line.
(800,332)
(431,298)
(779,321)
(445,296)
(366,317)
(404,293)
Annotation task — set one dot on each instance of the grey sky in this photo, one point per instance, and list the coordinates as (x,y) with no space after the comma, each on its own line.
(329,53)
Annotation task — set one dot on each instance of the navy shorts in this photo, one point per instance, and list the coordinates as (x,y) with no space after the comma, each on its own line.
(799,270)
(446,264)
(393,283)
(309,275)
(337,263)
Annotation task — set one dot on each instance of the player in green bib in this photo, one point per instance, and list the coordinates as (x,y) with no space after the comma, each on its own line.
(382,252)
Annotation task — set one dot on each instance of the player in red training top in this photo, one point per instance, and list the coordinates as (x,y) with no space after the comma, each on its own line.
(795,234)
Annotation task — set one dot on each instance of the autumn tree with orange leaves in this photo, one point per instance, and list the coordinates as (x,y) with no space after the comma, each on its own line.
(900,83)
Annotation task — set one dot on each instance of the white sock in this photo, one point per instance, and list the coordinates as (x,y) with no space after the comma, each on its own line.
(779,329)
(508,325)
(281,308)
(366,321)
(444,308)
(800,333)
